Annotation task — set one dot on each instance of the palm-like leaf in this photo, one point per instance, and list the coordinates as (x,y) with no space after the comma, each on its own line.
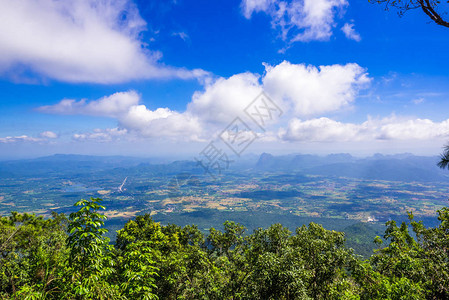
(444,158)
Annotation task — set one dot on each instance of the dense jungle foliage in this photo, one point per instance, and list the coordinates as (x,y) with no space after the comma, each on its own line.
(70,258)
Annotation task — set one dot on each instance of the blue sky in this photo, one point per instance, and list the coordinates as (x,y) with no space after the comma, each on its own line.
(164,78)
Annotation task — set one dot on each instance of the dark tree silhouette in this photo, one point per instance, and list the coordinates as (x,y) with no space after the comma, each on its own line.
(444,158)
(432,8)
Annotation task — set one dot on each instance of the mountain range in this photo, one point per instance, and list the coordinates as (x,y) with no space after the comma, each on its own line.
(399,167)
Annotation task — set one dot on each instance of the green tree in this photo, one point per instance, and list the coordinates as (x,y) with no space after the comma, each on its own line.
(277,267)
(395,271)
(32,251)
(325,258)
(38,260)
(90,263)
(228,252)
(184,270)
(137,271)
(417,268)
(435,253)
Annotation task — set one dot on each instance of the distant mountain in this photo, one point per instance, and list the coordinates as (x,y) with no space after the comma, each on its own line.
(268,162)
(400,167)
(90,158)
(172,168)
(66,164)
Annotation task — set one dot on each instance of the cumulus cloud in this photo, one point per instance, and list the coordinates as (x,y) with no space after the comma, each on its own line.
(322,129)
(49,135)
(303,92)
(207,112)
(419,129)
(390,128)
(311,90)
(79,41)
(132,117)
(108,106)
(224,99)
(300,89)
(350,33)
(307,89)
(298,20)
(161,122)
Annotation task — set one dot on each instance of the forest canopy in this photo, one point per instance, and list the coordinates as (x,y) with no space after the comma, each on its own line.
(71,258)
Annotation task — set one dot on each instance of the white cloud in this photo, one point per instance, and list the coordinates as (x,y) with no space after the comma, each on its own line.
(307,89)
(322,129)
(45,136)
(350,33)
(21,138)
(79,41)
(390,128)
(300,89)
(312,90)
(414,129)
(251,6)
(225,99)
(101,135)
(49,135)
(298,20)
(182,35)
(110,106)
(161,122)
(209,110)
(132,117)
(305,92)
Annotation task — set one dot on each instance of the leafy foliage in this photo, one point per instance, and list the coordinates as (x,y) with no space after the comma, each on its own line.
(31,251)
(90,263)
(70,258)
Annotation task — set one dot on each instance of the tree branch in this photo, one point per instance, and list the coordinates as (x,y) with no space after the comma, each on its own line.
(427,6)
(431,12)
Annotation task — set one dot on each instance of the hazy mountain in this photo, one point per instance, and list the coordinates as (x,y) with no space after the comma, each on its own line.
(268,162)
(400,167)
(66,164)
